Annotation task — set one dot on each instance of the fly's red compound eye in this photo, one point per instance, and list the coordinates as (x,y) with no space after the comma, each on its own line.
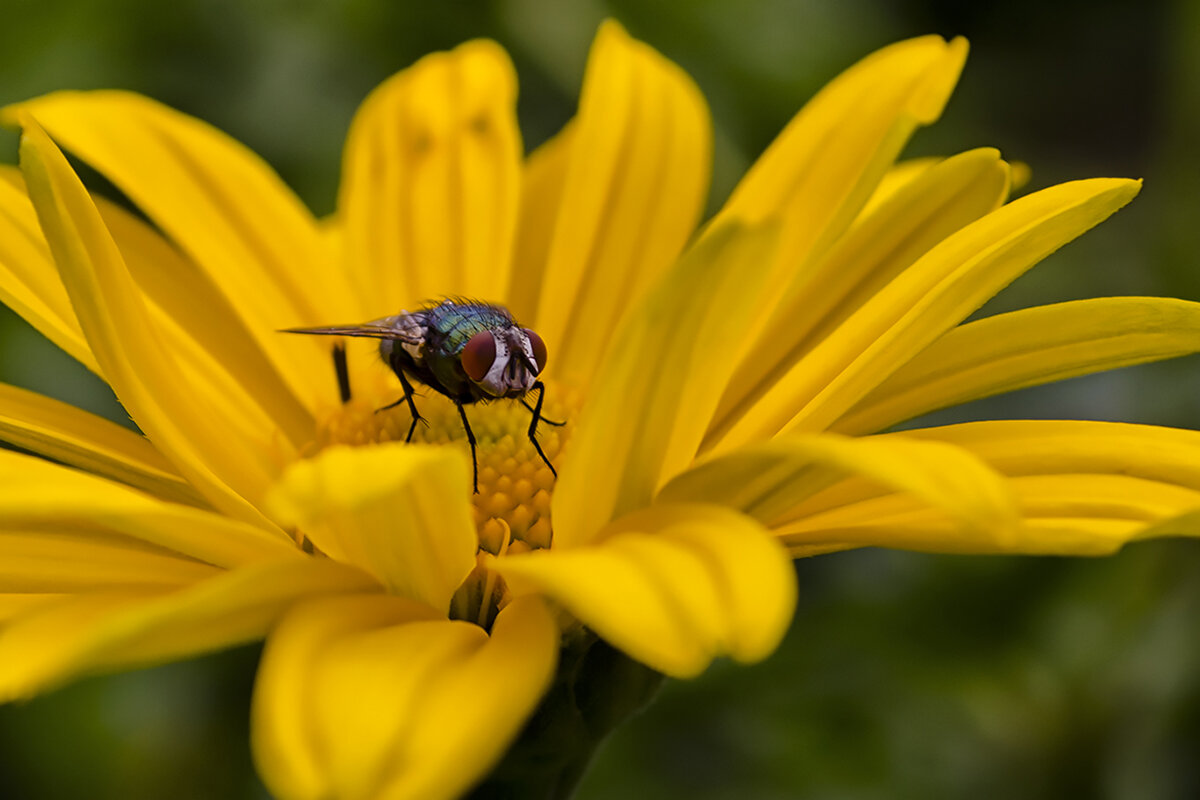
(539,349)
(478,355)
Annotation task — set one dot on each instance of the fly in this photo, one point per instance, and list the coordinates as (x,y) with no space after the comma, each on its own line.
(471,352)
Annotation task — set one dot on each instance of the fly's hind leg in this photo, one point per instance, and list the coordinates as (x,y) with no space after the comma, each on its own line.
(412,406)
(342,371)
(540,388)
(462,412)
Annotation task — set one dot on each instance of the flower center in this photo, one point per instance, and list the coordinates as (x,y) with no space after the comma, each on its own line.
(512,506)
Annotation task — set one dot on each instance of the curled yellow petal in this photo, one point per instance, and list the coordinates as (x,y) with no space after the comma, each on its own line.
(432,703)
(467,730)
(673,586)
(399,512)
(287,736)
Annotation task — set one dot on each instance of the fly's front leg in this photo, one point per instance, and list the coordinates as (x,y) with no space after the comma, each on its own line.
(462,412)
(412,406)
(525,403)
(540,388)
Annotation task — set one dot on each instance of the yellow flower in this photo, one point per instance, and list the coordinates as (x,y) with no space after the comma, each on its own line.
(718,388)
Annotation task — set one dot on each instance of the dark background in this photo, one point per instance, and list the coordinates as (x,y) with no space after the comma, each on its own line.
(904,675)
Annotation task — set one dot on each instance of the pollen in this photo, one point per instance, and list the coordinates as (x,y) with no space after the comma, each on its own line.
(512,507)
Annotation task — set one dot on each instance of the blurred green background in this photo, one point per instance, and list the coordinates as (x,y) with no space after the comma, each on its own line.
(904,675)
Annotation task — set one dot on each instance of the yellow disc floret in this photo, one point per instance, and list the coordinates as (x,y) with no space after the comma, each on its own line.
(512,507)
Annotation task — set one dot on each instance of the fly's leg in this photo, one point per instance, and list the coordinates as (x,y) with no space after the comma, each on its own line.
(540,388)
(462,412)
(412,406)
(342,371)
(525,403)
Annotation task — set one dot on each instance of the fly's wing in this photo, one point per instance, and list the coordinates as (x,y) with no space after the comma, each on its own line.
(367,331)
(406,327)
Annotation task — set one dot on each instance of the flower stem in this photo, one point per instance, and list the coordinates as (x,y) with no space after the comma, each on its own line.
(596,689)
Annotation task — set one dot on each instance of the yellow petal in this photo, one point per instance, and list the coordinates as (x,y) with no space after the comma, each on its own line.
(1185,524)
(1027,348)
(1076,447)
(155,262)
(199,318)
(197,322)
(1018,448)
(89,442)
(1138,503)
(820,171)
(898,176)
(1082,488)
(178,418)
(94,632)
(673,586)
(770,481)
(635,184)
(80,560)
(40,495)
(23,249)
(29,282)
(937,292)
(399,512)
(1021,174)
(220,203)
(287,738)
(14,605)
(466,731)
(1061,515)
(542,185)
(880,246)
(875,104)
(905,171)
(652,402)
(65,334)
(430,186)
(432,704)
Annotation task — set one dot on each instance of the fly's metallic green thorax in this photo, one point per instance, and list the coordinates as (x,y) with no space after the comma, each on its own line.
(466,350)
(452,324)
(446,330)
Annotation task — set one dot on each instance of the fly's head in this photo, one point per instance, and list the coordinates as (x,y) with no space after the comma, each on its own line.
(504,362)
